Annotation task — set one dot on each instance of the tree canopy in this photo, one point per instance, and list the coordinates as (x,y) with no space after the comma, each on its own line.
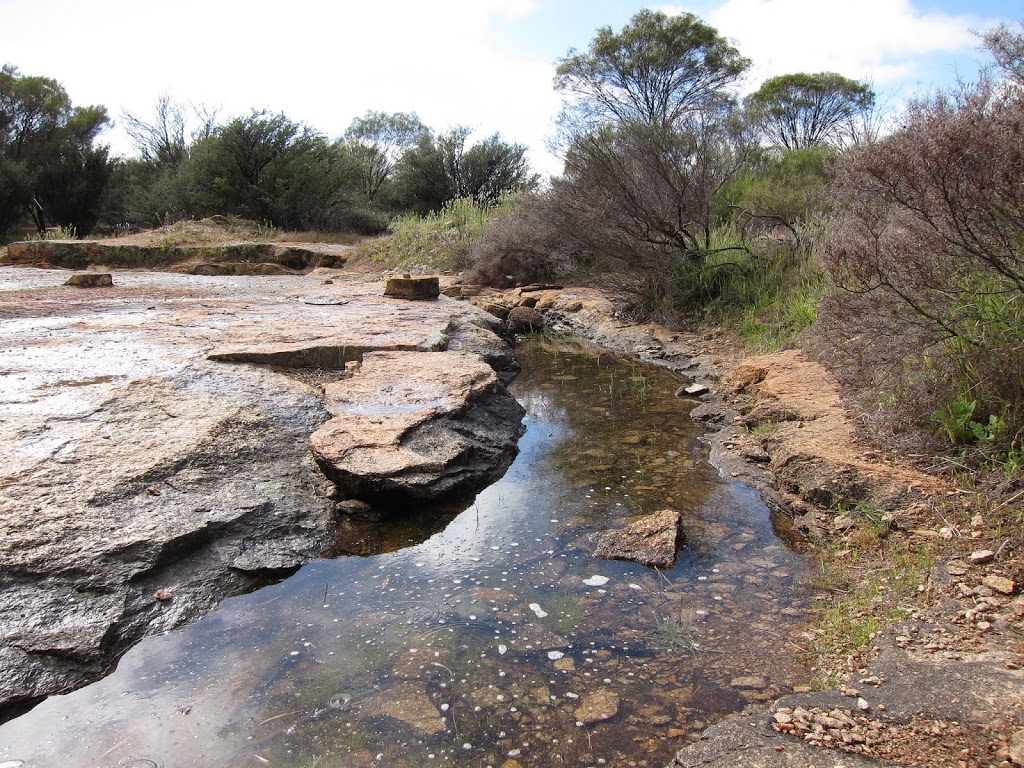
(379,140)
(654,71)
(803,110)
(49,163)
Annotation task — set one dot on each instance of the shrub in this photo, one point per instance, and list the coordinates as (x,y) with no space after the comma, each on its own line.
(928,249)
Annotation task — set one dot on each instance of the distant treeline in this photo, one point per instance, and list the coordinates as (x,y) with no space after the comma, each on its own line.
(55,171)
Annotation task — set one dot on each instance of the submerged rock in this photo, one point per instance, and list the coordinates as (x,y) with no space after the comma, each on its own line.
(418,426)
(651,540)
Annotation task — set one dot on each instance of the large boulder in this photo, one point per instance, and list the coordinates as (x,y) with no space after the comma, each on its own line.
(417,426)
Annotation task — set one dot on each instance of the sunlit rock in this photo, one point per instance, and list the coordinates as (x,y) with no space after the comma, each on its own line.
(417,426)
(651,540)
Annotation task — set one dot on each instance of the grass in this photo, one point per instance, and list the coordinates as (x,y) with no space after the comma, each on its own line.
(436,242)
(871,582)
(674,636)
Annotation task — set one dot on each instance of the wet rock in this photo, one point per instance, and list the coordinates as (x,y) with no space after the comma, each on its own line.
(407,703)
(525,320)
(417,426)
(598,706)
(90,280)
(412,287)
(651,540)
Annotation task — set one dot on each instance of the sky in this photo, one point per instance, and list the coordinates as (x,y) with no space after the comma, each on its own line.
(486,64)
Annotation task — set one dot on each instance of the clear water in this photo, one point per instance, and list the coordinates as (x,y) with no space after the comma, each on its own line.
(479,636)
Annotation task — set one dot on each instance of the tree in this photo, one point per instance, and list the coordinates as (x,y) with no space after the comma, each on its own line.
(653,72)
(441,168)
(49,158)
(268,168)
(378,140)
(1006,45)
(801,110)
(163,143)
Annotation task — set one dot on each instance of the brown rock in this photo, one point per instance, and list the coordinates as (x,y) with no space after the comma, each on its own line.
(651,540)
(1000,584)
(598,706)
(412,288)
(90,280)
(417,425)
(525,320)
(407,703)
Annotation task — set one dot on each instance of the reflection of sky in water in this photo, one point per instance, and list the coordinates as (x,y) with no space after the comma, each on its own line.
(286,670)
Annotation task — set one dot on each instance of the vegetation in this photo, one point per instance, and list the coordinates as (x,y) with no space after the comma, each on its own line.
(903,254)
(50,168)
(800,110)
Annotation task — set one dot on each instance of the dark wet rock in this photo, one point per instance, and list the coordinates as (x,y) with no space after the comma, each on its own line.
(412,288)
(90,280)
(417,426)
(651,540)
(525,320)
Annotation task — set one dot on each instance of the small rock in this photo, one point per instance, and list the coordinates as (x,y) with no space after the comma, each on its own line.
(982,556)
(844,522)
(863,705)
(1017,747)
(90,280)
(412,287)
(598,706)
(651,540)
(693,390)
(525,320)
(749,682)
(163,595)
(1000,584)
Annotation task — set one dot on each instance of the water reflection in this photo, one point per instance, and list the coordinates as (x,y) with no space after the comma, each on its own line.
(491,639)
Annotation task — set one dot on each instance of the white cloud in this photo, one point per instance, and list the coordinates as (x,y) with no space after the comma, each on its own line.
(319,63)
(880,41)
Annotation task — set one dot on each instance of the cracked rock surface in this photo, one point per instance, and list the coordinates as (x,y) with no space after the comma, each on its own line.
(154,447)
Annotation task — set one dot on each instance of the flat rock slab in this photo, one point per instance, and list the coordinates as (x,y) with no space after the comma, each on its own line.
(417,426)
(134,460)
(651,540)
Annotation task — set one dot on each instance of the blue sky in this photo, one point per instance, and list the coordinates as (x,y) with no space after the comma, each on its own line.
(487,64)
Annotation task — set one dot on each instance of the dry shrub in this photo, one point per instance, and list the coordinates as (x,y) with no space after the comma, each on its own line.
(927,247)
(524,244)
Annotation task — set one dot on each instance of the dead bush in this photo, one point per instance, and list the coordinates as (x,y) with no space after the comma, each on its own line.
(927,247)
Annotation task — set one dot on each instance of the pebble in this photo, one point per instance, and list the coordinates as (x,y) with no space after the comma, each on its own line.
(1000,584)
(982,556)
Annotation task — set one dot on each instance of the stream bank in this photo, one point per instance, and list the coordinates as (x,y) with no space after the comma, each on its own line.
(942,684)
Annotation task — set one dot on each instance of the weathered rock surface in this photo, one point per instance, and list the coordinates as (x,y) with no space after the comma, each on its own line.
(598,706)
(894,710)
(221,259)
(651,540)
(132,462)
(417,426)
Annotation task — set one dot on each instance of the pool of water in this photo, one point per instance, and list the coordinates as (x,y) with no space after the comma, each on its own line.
(480,635)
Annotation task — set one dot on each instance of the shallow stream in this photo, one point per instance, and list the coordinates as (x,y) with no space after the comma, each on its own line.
(484,635)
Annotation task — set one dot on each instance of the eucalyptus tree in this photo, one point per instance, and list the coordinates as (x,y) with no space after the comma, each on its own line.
(804,110)
(378,140)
